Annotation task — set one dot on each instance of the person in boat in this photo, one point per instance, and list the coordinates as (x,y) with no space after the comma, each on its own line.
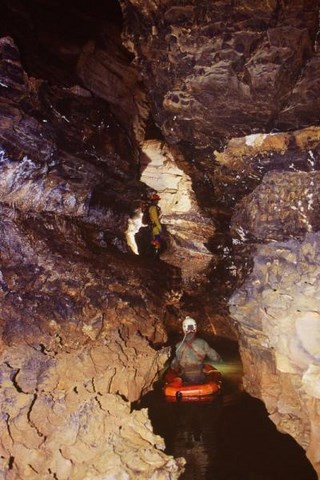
(192,353)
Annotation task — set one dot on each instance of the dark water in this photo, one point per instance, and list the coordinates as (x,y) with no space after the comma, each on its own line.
(231,438)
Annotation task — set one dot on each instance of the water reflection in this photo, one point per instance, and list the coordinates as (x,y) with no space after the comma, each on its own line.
(191,436)
(231,438)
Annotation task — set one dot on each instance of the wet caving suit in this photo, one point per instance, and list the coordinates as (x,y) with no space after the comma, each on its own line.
(154,212)
(191,355)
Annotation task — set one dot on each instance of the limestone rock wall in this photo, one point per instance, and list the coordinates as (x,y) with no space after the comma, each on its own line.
(276,305)
(278,311)
(65,416)
(105,71)
(80,316)
(188,229)
(225,69)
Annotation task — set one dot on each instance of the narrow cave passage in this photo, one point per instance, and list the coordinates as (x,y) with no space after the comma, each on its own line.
(230,438)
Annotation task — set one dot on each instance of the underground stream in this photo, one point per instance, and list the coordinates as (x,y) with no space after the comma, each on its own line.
(231,438)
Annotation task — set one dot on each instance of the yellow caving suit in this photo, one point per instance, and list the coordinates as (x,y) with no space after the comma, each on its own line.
(155,222)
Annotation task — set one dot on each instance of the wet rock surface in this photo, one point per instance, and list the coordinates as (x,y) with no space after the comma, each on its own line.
(66,414)
(215,107)
(277,308)
(223,69)
(79,313)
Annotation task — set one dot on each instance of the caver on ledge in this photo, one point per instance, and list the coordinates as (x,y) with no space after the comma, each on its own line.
(151,217)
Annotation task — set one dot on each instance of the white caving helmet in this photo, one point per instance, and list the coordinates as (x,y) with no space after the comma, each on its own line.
(189,325)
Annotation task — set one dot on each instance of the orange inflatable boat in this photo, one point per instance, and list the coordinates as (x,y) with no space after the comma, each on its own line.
(174,388)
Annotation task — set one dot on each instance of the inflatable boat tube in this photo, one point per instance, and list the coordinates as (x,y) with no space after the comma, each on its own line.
(175,389)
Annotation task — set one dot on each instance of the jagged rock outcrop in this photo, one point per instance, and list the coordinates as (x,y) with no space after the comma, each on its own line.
(79,313)
(245,160)
(277,304)
(105,71)
(277,310)
(224,69)
(186,224)
(60,418)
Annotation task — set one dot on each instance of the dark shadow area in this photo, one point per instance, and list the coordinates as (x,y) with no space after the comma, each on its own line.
(229,439)
(145,248)
(250,447)
(51,34)
(153,132)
